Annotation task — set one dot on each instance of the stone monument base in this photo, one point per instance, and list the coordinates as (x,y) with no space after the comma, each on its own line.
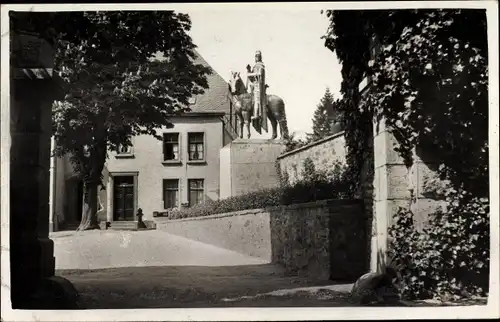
(248,165)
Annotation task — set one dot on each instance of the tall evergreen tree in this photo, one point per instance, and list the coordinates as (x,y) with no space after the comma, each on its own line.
(323,117)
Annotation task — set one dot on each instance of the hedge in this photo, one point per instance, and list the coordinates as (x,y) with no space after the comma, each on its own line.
(314,186)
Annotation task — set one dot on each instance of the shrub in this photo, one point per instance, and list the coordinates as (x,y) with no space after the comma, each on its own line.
(254,200)
(315,186)
(448,258)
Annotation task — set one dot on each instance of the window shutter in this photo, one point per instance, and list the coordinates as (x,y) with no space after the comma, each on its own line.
(163,149)
(180,147)
(204,156)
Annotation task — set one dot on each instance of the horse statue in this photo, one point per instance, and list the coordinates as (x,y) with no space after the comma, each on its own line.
(243,103)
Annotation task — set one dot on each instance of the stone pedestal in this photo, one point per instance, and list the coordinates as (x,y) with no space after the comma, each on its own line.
(32,259)
(248,165)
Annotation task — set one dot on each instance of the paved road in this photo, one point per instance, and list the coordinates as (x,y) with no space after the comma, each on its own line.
(153,269)
(110,249)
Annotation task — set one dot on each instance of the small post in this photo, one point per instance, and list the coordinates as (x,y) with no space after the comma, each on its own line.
(139,215)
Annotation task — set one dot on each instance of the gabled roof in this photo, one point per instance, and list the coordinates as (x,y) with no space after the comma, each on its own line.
(216,97)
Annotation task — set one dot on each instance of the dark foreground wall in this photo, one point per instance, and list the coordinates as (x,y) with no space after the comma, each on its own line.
(325,239)
(33,88)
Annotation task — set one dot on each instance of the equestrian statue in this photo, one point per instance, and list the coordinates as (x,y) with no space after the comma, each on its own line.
(253,105)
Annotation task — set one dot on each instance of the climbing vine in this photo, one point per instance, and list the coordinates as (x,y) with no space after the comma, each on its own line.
(348,39)
(431,86)
(428,72)
(429,81)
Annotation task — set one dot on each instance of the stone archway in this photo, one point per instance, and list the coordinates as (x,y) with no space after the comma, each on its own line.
(32,262)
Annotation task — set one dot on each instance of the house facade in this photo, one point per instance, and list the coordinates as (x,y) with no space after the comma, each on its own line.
(180,170)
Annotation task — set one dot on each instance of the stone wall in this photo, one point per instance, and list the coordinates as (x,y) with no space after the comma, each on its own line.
(324,240)
(247,232)
(324,153)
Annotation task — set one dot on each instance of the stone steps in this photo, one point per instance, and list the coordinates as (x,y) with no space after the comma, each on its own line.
(124,225)
(131,225)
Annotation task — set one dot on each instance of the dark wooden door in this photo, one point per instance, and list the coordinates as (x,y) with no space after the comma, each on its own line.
(123,205)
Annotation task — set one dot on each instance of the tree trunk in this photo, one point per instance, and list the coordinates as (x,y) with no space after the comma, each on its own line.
(90,207)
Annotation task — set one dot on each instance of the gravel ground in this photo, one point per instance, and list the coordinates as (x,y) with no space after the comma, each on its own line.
(199,286)
(153,269)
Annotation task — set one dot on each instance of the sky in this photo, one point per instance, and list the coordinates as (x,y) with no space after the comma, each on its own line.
(299,67)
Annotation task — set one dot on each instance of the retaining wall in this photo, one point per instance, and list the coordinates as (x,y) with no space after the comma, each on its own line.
(324,153)
(325,239)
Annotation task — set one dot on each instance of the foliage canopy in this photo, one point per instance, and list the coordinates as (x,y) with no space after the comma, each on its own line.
(125,73)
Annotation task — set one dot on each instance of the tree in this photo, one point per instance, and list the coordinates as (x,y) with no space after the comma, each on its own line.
(116,88)
(293,143)
(325,114)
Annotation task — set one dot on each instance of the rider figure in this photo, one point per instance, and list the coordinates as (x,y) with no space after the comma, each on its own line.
(257,76)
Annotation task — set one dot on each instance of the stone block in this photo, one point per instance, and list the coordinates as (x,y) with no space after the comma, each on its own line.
(384,213)
(391,182)
(384,144)
(383,219)
(251,178)
(397,179)
(378,184)
(252,165)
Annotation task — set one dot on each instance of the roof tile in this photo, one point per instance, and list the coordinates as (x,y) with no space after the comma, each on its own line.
(216,97)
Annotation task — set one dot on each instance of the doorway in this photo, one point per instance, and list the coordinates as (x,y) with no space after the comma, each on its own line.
(123,198)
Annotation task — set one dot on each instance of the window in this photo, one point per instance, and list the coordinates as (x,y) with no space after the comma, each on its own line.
(123,151)
(170,193)
(196,148)
(195,191)
(171,147)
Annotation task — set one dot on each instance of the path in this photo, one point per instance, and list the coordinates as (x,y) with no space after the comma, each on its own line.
(110,249)
(152,269)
